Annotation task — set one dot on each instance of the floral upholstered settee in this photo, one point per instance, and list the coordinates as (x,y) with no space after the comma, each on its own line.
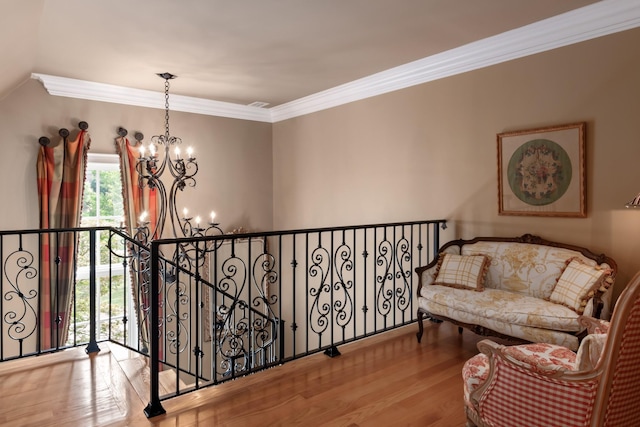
(525,288)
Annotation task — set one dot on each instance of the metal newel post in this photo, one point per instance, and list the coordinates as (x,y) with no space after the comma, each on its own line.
(92,347)
(154,407)
(436,238)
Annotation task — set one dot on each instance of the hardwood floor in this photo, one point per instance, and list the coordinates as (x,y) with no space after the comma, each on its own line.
(386,380)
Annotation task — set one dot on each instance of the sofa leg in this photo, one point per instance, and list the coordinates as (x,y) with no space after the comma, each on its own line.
(460,330)
(420,325)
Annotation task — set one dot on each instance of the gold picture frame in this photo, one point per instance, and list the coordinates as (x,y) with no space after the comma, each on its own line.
(541,172)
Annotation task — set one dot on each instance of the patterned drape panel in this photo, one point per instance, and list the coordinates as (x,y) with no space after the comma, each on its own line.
(61,174)
(137,200)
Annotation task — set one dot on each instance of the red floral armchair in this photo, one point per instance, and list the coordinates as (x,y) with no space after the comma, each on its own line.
(549,385)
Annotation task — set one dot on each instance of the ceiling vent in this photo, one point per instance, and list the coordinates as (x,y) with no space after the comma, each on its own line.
(258,104)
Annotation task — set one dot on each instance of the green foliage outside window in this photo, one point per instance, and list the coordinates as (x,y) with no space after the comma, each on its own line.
(112,305)
(107,185)
(102,205)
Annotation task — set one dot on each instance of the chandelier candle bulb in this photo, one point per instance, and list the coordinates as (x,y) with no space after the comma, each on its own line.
(190,153)
(142,150)
(213,217)
(197,222)
(177,151)
(185,212)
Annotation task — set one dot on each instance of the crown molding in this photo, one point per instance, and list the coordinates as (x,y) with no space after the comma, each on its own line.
(596,20)
(82,89)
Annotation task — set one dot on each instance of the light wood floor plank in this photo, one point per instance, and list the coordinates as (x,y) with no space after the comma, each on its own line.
(385,380)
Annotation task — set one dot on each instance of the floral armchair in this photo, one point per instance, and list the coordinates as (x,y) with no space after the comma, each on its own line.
(549,385)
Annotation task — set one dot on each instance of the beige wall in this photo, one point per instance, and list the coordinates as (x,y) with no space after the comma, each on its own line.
(425,152)
(234,155)
(429,151)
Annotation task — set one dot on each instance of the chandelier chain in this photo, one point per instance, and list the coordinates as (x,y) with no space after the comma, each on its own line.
(166,108)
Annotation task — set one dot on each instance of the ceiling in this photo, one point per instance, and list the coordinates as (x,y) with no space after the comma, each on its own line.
(241,51)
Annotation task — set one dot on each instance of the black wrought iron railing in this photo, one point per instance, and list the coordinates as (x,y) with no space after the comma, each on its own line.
(209,309)
(61,289)
(262,299)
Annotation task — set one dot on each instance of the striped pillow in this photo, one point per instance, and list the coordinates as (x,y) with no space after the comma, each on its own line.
(578,284)
(462,271)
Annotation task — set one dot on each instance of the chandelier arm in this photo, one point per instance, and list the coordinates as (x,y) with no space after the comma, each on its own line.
(183,169)
(159,168)
(177,169)
(140,169)
(191,170)
(162,211)
(174,216)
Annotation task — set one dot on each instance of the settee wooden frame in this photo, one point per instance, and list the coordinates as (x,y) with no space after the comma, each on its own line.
(525,238)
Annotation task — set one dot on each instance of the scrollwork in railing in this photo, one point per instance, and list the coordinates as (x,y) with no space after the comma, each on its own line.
(263,337)
(343,305)
(141,275)
(177,316)
(320,309)
(264,318)
(245,340)
(245,333)
(231,347)
(22,316)
(231,316)
(264,275)
(403,273)
(384,278)
(234,272)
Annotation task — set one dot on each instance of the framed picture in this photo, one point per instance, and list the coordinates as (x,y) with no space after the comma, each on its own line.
(541,172)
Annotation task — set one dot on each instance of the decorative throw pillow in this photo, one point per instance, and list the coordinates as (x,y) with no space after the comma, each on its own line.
(578,283)
(462,271)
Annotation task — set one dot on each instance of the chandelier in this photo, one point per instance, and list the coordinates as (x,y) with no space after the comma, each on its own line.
(163,156)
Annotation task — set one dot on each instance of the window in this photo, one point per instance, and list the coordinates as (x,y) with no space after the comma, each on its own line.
(102,205)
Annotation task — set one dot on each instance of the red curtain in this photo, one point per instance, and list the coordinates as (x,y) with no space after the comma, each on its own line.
(61,174)
(137,199)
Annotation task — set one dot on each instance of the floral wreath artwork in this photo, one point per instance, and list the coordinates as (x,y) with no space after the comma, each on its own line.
(541,171)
